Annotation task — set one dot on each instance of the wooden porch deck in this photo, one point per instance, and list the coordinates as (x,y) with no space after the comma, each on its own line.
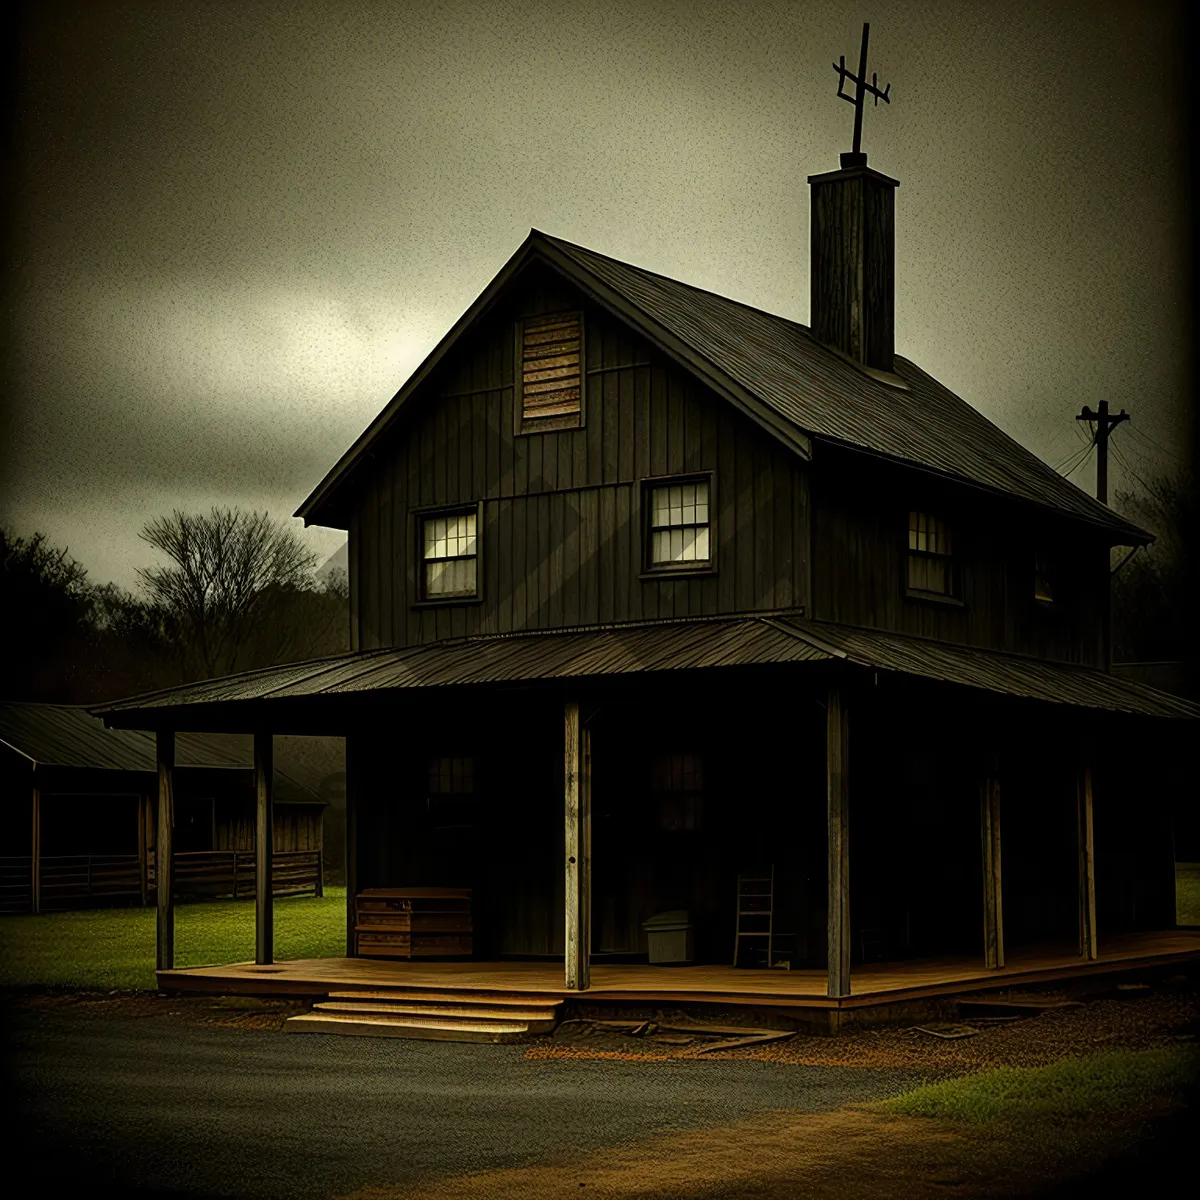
(872,984)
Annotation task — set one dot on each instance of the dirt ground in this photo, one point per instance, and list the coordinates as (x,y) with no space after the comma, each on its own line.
(858,1151)
(824,1156)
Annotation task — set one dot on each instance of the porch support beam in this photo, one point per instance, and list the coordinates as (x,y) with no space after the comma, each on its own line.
(989,827)
(163,856)
(352,770)
(1087,864)
(35,849)
(578,838)
(837,777)
(264,828)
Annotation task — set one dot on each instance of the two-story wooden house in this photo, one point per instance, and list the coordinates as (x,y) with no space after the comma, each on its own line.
(651,590)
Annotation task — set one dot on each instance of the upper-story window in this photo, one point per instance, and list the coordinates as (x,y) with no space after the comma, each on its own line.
(449,546)
(1044,577)
(932,569)
(551,372)
(679,525)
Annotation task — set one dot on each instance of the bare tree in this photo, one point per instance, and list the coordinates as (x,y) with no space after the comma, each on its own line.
(1151,614)
(230,573)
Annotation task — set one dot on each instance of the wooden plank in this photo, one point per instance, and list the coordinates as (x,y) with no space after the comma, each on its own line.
(838,808)
(1087,864)
(264,907)
(993,907)
(577,836)
(164,857)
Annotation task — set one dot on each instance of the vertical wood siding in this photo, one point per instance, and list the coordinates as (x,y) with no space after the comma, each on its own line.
(860,522)
(562,511)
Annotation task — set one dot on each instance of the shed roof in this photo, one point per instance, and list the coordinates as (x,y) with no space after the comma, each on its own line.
(67,735)
(657,646)
(782,377)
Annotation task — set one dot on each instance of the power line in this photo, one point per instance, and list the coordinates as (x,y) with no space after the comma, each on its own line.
(1088,443)
(1125,463)
(1087,453)
(1156,445)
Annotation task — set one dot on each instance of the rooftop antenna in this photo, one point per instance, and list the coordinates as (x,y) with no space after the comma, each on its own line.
(862,88)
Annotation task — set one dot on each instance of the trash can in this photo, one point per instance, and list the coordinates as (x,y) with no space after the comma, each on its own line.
(670,937)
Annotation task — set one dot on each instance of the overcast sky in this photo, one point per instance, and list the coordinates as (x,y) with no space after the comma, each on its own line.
(238,227)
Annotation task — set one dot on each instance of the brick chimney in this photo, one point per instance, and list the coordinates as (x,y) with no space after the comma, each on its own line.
(853,254)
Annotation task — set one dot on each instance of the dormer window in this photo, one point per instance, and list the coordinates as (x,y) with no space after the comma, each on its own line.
(551,372)
(932,570)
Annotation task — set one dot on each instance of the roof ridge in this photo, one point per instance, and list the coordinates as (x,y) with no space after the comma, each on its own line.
(762,312)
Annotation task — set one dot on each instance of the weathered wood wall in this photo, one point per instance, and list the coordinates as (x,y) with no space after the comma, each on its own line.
(860,547)
(562,530)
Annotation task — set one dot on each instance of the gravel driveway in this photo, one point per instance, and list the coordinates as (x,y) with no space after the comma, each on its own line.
(171,1107)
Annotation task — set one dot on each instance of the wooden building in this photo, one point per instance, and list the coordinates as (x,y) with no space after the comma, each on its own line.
(79,812)
(651,590)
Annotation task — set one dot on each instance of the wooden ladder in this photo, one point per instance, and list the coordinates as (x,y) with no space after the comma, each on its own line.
(755,912)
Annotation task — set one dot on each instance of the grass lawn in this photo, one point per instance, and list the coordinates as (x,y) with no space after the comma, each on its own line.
(114,948)
(1115,1081)
(1187,893)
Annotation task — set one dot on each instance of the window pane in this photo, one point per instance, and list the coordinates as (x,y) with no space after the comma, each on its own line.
(455,577)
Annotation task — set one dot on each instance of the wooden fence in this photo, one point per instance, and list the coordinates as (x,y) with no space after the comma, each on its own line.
(93,880)
(225,874)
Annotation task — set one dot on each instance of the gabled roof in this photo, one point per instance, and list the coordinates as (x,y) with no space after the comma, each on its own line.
(67,735)
(779,375)
(637,648)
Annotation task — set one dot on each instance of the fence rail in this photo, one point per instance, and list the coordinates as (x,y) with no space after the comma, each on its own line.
(87,880)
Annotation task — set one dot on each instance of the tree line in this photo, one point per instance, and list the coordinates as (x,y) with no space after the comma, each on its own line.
(234,590)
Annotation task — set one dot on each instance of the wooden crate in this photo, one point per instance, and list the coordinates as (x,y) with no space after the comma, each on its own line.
(413,922)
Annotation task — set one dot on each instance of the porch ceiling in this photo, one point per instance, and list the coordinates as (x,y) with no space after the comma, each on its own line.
(643,648)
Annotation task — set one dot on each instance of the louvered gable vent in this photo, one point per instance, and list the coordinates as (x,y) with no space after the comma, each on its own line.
(551,374)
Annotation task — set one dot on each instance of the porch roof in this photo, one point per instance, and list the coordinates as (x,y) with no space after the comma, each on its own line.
(633,649)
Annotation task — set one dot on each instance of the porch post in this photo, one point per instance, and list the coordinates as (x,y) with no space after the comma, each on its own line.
(578,838)
(142,818)
(164,863)
(837,761)
(351,843)
(1087,864)
(264,833)
(993,904)
(35,849)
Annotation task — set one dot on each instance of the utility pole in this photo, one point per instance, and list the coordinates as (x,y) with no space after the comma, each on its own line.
(1105,423)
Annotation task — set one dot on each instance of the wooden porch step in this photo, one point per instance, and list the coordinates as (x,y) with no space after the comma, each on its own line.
(536,1020)
(454,996)
(443,1029)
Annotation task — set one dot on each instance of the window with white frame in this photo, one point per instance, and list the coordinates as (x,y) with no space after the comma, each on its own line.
(449,555)
(932,570)
(679,528)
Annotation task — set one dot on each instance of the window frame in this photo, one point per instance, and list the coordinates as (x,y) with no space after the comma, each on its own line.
(523,424)
(695,798)
(460,802)
(1046,569)
(417,519)
(952,559)
(705,566)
